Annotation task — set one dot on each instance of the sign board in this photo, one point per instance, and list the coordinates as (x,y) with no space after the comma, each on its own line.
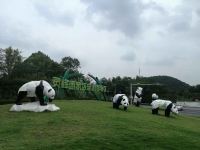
(74,85)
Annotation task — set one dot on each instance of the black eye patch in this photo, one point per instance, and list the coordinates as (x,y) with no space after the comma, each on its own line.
(49,90)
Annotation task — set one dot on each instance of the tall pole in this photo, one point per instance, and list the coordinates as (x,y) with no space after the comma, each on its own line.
(139,72)
(131,94)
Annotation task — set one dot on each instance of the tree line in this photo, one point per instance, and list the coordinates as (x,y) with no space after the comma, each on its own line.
(15,70)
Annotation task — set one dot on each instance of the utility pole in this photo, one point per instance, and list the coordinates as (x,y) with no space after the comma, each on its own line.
(131,94)
(139,71)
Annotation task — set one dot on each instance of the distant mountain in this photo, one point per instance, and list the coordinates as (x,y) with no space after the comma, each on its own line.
(170,88)
(168,81)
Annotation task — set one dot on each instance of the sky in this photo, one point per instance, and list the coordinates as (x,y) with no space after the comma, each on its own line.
(109,37)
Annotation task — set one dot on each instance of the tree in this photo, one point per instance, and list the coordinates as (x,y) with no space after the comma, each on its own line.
(38,66)
(70,63)
(1,62)
(9,59)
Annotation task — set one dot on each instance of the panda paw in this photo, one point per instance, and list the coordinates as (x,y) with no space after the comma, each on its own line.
(19,103)
(43,104)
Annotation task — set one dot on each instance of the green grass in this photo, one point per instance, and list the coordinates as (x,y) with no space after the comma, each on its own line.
(95,125)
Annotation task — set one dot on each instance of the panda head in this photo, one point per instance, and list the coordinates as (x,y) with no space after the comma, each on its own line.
(51,94)
(154,96)
(174,109)
(124,101)
(139,90)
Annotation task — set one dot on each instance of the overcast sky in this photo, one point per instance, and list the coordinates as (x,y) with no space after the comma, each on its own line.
(109,37)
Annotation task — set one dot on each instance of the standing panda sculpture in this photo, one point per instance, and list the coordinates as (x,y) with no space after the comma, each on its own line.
(138,97)
(120,99)
(40,89)
(166,104)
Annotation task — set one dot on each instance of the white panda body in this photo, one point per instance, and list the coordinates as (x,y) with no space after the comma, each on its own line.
(167,105)
(120,99)
(160,104)
(137,99)
(115,98)
(36,89)
(30,88)
(138,96)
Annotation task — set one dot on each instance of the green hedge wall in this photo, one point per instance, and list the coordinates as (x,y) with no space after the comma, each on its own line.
(9,89)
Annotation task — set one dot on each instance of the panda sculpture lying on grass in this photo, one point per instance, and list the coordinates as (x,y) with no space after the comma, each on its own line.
(120,99)
(40,89)
(166,104)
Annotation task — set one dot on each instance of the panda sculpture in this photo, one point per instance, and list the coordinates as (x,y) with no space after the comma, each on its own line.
(167,105)
(120,99)
(154,96)
(36,89)
(138,97)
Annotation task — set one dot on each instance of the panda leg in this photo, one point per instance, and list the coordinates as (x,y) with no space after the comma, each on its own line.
(32,99)
(50,100)
(42,102)
(167,112)
(40,95)
(20,96)
(117,106)
(114,105)
(155,111)
(138,104)
(125,108)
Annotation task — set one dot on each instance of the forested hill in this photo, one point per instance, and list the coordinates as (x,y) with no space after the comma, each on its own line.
(168,81)
(171,88)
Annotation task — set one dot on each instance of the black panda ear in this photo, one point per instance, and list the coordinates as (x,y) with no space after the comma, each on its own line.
(49,90)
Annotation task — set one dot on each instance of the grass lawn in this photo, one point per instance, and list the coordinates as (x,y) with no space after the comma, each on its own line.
(95,125)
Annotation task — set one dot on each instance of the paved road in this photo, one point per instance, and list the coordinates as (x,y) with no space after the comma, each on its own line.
(191,111)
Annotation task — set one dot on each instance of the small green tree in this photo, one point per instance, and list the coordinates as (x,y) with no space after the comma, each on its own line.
(9,59)
(38,66)
(1,62)
(70,63)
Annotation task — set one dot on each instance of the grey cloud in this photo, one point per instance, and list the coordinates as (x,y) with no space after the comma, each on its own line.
(186,18)
(198,12)
(164,60)
(160,62)
(121,15)
(154,6)
(181,21)
(162,38)
(53,15)
(19,37)
(180,24)
(184,24)
(129,56)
